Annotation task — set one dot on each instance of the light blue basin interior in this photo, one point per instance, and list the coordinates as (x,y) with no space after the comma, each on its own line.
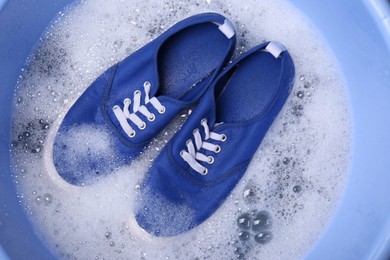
(358,32)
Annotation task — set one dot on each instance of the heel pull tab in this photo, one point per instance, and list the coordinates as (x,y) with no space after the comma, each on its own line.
(226,28)
(275,48)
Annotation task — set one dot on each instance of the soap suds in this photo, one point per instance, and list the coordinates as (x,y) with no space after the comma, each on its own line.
(295,179)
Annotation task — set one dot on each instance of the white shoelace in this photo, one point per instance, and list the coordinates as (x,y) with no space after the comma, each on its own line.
(192,156)
(124,114)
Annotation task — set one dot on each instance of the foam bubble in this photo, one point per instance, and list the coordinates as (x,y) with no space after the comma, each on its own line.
(292,186)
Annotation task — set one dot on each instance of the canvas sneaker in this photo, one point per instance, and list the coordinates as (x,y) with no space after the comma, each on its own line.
(132,101)
(206,158)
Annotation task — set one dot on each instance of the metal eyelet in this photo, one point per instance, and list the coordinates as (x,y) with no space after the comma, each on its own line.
(204,120)
(127,100)
(218,149)
(143,126)
(182,153)
(205,171)
(162,110)
(211,160)
(147,84)
(137,92)
(132,134)
(224,138)
(151,118)
(115,107)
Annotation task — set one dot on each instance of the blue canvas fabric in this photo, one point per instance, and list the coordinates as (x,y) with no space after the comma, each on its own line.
(242,103)
(179,66)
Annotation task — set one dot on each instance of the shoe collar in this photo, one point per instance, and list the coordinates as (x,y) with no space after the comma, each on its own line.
(224,25)
(273,47)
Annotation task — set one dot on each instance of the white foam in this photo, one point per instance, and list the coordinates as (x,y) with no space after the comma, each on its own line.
(297,175)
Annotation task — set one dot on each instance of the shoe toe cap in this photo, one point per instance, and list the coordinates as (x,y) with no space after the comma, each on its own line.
(161,217)
(83,153)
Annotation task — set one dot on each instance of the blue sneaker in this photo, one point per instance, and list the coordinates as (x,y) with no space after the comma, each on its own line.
(130,103)
(206,158)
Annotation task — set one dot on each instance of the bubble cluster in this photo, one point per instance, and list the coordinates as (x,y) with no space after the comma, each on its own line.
(254,232)
(279,207)
(45,199)
(30,136)
(257,223)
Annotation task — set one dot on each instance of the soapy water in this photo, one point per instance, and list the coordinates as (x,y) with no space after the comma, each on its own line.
(278,209)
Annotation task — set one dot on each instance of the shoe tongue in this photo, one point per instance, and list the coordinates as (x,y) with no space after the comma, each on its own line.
(155,80)
(155,85)
(212,113)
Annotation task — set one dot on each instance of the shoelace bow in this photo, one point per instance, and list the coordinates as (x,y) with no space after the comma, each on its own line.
(123,115)
(192,155)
